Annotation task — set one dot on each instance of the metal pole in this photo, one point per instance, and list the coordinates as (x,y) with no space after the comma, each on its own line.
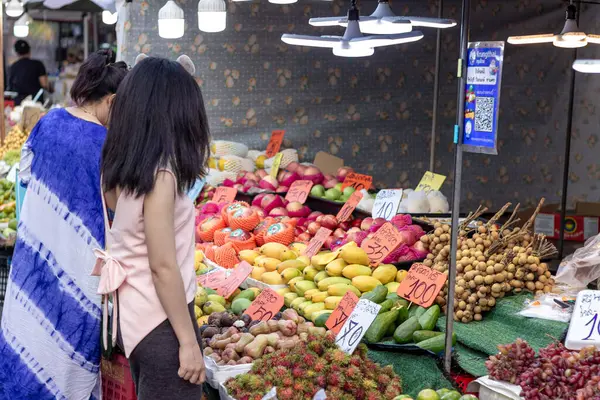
(86,36)
(436,89)
(460,117)
(95,31)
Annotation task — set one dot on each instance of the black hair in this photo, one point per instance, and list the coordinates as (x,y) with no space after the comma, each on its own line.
(158,120)
(98,77)
(22,47)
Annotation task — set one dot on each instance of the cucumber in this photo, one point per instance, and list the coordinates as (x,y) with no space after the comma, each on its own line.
(416,311)
(403,315)
(386,306)
(430,317)
(380,326)
(420,336)
(392,296)
(321,319)
(404,333)
(377,295)
(436,344)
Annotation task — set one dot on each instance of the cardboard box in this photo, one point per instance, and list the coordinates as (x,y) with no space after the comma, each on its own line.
(581,223)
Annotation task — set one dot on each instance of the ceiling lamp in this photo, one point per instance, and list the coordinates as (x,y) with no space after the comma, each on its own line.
(353,43)
(281,2)
(14,8)
(109,18)
(384,21)
(587,66)
(21,26)
(571,36)
(171,24)
(212,15)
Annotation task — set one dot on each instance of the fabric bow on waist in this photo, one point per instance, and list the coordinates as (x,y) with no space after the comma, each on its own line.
(112,275)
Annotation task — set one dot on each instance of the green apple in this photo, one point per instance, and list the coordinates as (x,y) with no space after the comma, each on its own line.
(348,191)
(332,194)
(338,186)
(317,191)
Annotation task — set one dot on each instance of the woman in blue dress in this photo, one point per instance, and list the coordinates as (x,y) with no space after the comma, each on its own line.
(50,329)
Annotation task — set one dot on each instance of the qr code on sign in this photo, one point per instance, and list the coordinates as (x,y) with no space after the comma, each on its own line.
(484,114)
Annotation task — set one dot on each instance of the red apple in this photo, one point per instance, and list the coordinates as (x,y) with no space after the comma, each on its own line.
(339,233)
(304,237)
(366,224)
(329,222)
(278,212)
(313,227)
(313,215)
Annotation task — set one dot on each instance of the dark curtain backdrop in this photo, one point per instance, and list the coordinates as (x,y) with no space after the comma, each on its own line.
(376,112)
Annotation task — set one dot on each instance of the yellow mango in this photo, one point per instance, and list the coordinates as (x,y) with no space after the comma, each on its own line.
(288,298)
(309,293)
(325,283)
(257,272)
(319,296)
(354,255)
(290,274)
(400,275)
(314,307)
(332,302)
(341,289)
(272,278)
(310,273)
(292,283)
(354,270)
(392,287)
(288,264)
(335,267)
(385,273)
(270,264)
(249,256)
(365,283)
(303,286)
(273,250)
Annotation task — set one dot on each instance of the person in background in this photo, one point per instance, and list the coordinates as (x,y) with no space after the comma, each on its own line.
(51,322)
(69,73)
(26,76)
(156,147)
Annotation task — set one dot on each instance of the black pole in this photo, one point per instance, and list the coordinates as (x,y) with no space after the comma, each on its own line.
(458,152)
(436,89)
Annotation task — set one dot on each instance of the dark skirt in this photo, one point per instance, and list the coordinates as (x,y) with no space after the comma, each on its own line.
(155,362)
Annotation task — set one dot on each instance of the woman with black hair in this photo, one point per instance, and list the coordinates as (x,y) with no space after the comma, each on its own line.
(156,147)
(50,331)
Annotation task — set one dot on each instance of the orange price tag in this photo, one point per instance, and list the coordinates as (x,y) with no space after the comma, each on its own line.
(224,194)
(357,181)
(385,240)
(212,280)
(265,306)
(349,206)
(299,191)
(316,242)
(274,143)
(421,285)
(235,279)
(338,317)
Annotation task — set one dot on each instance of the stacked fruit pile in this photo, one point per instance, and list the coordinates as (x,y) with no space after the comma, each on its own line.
(207,302)
(7,201)
(15,139)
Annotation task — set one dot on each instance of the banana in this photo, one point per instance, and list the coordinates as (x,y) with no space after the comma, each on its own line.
(310,273)
(272,278)
(289,274)
(335,267)
(257,272)
(354,255)
(332,302)
(354,270)
(273,250)
(312,308)
(288,298)
(319,296)
(385,273)
(325,283)
(340,289)
(295,264)
(249,256)
(365,283)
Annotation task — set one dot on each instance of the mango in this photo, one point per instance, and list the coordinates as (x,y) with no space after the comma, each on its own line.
(299,248)
(400,275)
(257,272)
(385,273)
(310,273)
(212,307)
(270,264)
(303,286)
(272,278)
(292,283)
(354,270)
(216,298)
(365,283)
(325,283)
(392,287)
(319,296)
(249,256)
(240,305)
(296,302)
(287,255)
(201,296)
(354,255)
(273,250)
(245,294)
(288,298)
(335,267)
(309,293)
(197,311)
(289,274)
(283,291)
(320,276)
(332,302)
(340,289)
(304,260)
(312,308)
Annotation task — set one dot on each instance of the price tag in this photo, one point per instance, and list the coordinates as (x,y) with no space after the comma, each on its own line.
(387,203)
(235,279)
(276,164)
(357,181)
(265,306)
(421,285)
(430,181)
(316,242)
(212,280)
(356,325)
(274,143)
(385,240)
(224,194)
(338,317)
(349,206)
(299,191)
(584,329)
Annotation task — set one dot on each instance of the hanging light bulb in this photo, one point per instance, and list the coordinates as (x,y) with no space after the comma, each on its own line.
(109,18)
(14,8)
(212,15)
(21,26)
(281,2)
(171,24)
(587,66)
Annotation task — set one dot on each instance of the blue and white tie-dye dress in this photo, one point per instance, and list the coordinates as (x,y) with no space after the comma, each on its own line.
(50,330)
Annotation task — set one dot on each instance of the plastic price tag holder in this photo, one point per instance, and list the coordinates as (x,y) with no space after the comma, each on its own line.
(349,206)
(385,240)
(421,285)
(299,191)
(235,279)
(316,242)
(212,280)
(274,143)
(430,181)
(265,306)
(387,203)
(339,316)
(224,194)
(276,164)
(584,329)
(356,325)
(358,181)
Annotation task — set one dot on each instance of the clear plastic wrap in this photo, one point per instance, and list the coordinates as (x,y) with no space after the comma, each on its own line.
(582,267)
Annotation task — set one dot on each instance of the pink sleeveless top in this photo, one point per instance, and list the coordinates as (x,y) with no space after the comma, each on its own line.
(124,266)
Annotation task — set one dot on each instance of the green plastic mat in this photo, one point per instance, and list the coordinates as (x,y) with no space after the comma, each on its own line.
(478,340)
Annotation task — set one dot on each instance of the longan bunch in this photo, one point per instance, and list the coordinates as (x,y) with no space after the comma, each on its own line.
(15,139)
(527,272)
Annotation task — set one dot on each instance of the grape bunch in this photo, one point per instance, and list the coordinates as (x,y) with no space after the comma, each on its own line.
(511,361)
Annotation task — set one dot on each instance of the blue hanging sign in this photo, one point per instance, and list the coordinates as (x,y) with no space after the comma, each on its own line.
(482,97)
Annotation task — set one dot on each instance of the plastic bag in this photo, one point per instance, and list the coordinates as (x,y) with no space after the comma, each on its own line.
(271,394)
(582,267)
(551,306)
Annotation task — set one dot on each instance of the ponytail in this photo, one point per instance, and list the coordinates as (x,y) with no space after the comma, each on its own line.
(98,77)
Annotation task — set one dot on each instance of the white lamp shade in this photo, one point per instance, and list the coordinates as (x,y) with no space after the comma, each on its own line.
(212,15)
(109,18)
(21,26)
(171,22)
(283,1)
(559,41)
(353,51)
(14,8)
(587,66)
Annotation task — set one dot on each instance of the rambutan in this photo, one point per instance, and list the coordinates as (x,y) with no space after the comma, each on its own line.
(383,379)
(356,361)
(369,384)
(298,372)
(392,392)
(338,357)
(316,346)
(285,394)
(321,381)
(335,379)
(373,395)
(319,365)
(309,359)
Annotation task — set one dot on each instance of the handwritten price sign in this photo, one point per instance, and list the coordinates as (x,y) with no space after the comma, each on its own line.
(265,306)
(349,207)
(387,203)
(212,280)
(584,329)
(421,285)
(276,164)
(357,181)
(299,191)
(338,317)
(235,279)
(224,194)
(356,325)
(430,181)
(275,143)
(385,240)
(316,242)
